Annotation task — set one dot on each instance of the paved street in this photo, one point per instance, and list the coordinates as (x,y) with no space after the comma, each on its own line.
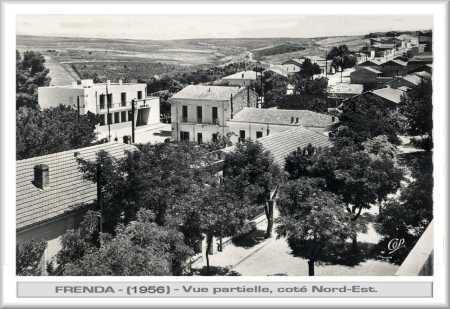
(274,257)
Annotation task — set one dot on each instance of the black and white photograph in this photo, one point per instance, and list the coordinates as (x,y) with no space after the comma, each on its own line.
(226,145)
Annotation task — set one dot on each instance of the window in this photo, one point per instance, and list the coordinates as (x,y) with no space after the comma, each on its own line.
(123,98)
(102,101)
(241,135)
(109,118)
(199,114)
(102,119)
(296,120)
(214,115)
(258,134)
(184,136)
(116,117)
(139,95)
(109,99)
(185,113)
(214,137)
(200,138)
(292,119)
(123,116)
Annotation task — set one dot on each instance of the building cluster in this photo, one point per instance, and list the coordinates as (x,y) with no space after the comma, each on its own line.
(52,194)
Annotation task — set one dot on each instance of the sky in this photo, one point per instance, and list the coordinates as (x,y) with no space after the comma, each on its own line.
(188,27)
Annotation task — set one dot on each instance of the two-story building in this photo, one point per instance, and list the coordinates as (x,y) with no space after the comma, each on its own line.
(110,101)
(200,112)
(254,123)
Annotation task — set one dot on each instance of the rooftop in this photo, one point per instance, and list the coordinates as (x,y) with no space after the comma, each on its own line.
(390,94)
(242,75)
(399,62)
(369,69)
(67,189)
(206,92)
(345,88)
(423,74)
(413,79)
(305,118)
(282,144)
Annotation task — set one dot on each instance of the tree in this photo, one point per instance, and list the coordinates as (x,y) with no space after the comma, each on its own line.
(364,117)
(312,219)
(29,257)
(359,176)
(408,215)
(30,74)
(140,248)
(218,212)
(52,130)
(308,69)
(417,108)
(341,58)
(250,171)
(274,88)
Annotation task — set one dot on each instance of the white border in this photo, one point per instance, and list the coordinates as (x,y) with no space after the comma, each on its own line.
(439,9)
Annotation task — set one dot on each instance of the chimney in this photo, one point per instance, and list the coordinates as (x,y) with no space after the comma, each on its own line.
(120,82)
(108,83)
(41,176)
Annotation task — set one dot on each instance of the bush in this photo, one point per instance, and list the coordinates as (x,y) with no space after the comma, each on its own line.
(28,257)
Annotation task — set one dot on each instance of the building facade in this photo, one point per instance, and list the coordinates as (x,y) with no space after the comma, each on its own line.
(254,123)
(110,101)
(200,113)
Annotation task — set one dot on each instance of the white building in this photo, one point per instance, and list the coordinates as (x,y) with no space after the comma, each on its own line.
(255,123)
(200,113)
(111,101)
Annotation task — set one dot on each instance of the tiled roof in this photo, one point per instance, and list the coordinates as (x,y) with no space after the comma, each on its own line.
(205,92)
(370,69)
(388,93)
(242,75)
(346,88)
(413,79)
(306,118)
(423,74)
(67,189)
(399,62)
(282,144)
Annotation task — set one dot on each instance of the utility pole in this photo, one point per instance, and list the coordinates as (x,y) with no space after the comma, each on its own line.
(99,196)
(107,112)
(78,109)
(133,107)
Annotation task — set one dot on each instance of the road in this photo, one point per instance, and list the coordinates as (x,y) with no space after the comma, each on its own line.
(273,256)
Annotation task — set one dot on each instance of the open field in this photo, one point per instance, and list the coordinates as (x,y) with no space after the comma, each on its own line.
(141,59)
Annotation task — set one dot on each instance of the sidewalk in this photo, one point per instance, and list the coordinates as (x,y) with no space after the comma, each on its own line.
(274,257)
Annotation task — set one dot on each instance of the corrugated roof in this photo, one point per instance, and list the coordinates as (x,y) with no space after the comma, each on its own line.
(242,75)
(206,92)
(346,88)
(388,93)
(282,144)
(67,189)
(305,118)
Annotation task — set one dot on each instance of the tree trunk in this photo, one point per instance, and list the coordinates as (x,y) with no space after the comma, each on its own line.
(311,267)
(209,239)
(355,248)
(269,215)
